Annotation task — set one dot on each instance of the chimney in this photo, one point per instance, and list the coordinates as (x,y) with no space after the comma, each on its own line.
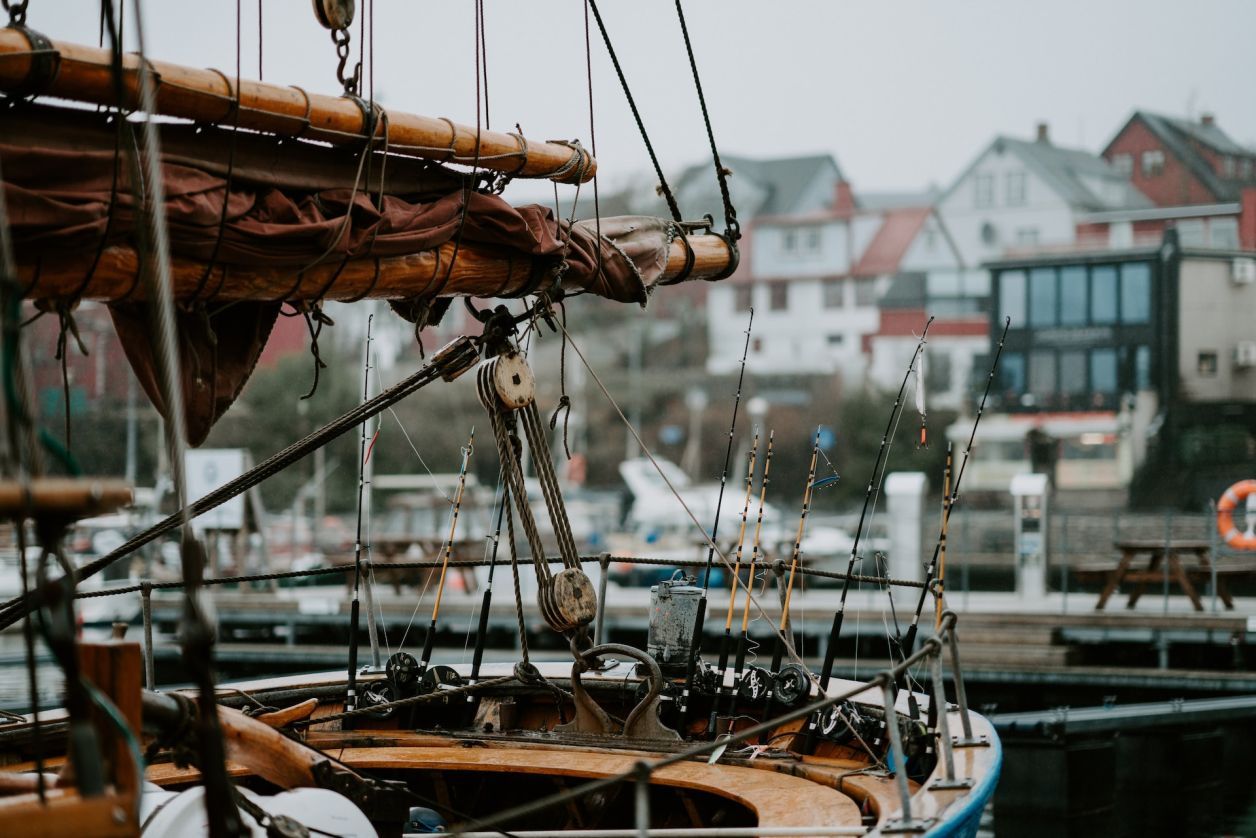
(1207,120)
(1247,219)
(1044,135)
(844,200)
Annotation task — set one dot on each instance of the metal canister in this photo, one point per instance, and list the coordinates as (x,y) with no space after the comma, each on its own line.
(673,610)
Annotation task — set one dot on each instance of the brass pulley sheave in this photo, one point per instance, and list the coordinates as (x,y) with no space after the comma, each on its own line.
(507,389)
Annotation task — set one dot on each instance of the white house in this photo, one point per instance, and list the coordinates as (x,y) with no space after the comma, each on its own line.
(1019,195)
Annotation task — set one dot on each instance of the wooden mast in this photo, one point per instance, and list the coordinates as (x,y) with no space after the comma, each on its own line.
(84,74)
(480,271)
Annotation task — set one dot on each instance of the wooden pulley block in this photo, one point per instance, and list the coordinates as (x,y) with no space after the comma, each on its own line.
(335,14)
(568,601)
(513,380)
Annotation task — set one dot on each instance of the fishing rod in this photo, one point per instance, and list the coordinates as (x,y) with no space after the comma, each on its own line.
(909,638)
(699,620)
(726,641)
(355,609)
(449,548)
(740,664)
(946,509)
(490,555)
(794,558)
(830,653)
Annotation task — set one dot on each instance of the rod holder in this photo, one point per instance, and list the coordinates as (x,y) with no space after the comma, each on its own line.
(941,711)
(898,764)
(967,740)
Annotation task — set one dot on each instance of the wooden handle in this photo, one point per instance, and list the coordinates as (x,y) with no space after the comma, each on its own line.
(209,96)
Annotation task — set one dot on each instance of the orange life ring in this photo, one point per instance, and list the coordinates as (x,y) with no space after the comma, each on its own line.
(1225,515)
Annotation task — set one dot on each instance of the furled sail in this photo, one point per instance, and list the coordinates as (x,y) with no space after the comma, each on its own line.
(257,220)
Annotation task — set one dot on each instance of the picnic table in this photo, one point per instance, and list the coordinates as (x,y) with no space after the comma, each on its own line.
(1143,562)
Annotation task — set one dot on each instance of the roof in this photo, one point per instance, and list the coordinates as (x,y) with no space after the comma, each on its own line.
(775,186)
(1074,174)
(1178,137)
(887,248)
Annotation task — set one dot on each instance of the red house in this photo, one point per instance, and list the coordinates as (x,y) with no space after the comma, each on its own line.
(1176,162)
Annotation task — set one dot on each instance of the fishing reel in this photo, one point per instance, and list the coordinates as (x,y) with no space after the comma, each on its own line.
(754,685)
(843,723)
(792,685)
(401,675)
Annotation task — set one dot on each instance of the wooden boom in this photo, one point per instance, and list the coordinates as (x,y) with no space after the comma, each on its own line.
(479,271)
(84,74)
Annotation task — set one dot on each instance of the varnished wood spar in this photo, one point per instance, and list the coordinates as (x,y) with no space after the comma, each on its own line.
(64,497)
(209,96)
(479,272)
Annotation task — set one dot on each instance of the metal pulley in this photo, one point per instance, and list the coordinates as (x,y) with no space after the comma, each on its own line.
(335,14)
(507,389)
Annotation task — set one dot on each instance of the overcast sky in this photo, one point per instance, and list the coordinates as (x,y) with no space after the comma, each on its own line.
(904,94)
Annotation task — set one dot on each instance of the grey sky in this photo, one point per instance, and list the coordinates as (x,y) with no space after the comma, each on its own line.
(903,93)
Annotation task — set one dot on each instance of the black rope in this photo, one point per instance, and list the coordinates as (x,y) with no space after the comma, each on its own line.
(564,401)
(732,229)
(672,206)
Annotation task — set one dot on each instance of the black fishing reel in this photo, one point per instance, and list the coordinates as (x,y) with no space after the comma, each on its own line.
(754,685)
(843,724)
(792,685)
(403,673)
(437,677)
(380,695)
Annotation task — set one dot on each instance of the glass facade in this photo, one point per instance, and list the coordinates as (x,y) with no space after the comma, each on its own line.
(1135,292)
(1042,297)
(1012,296)
(1073,309)
(1082,335)
(1103,294)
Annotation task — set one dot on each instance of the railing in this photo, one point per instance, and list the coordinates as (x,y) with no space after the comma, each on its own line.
(931,652)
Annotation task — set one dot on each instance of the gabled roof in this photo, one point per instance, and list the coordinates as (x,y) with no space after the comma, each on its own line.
(759,187)
(1072,173)
(1177,135)
(887,248)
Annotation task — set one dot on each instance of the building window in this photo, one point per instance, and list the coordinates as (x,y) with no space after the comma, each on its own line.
(789,241)
(1142,368)
(989,234)
(833,292)
(1245,168)
(1073,296)
(1223,233)
(938,373)
(1123,163)
(1191,232)
(1073,372)
(836,340)
(865,292)
(778,296)
(1103,295)
(1027,236)
(1206,365)
(983,186)
(811,239)
(1227,166)
(1012,373)
(1042,382)
(1012,297)
(743,297)
(1015,183)
(1103,370)
(1042,297)
(1136,292)
(1153,163)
